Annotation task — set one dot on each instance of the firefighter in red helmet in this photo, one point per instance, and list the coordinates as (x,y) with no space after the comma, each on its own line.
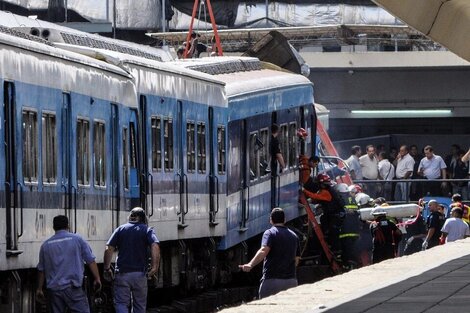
(333,211)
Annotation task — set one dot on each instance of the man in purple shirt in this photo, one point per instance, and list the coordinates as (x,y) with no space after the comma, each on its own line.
(131,241)
(280,251)
(61,265)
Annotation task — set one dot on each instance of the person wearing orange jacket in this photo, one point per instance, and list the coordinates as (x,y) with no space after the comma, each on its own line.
(333,210)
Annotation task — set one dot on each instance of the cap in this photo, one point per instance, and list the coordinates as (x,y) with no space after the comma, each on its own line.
(432,201)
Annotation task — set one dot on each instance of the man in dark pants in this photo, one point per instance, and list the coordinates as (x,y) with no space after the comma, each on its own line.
(61,264)
(280,251)
(132,240)
(275,151)
(385,236)
(434,222)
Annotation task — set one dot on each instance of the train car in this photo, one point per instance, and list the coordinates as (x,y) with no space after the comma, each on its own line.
(60,153)
(186,140)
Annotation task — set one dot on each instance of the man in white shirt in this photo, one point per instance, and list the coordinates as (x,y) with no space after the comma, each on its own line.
(370,170)
(454,227)
(387,173)
(353,163)
(432,167)
(404,170)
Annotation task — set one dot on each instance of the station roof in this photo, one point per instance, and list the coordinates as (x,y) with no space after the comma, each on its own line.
(240,39)
(444,21)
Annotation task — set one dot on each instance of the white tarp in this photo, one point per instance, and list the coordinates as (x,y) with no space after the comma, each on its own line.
(146,14)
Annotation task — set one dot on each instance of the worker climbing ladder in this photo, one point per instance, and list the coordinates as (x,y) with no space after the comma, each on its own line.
(316,227)
(218,50)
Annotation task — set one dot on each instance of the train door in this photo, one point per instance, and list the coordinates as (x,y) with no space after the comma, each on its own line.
(115,172)
(259,171)
(134,183)
(239,137)
(180,169)
(66,184)
(14,213)
(216,162)
(144,152)
(288,122)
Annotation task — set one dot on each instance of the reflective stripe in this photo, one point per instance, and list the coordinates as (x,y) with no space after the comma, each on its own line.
(351,206)
(348,235)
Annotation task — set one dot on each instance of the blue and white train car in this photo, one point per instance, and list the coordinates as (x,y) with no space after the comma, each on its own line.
(60,154)
(187,140)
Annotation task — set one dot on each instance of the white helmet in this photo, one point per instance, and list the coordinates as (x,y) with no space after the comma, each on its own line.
(342,188)
(362,199)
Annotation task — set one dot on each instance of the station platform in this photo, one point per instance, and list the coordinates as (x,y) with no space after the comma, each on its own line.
(436,280)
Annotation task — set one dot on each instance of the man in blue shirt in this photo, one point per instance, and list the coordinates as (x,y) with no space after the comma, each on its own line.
(280,251)
(61,264)
(132,240)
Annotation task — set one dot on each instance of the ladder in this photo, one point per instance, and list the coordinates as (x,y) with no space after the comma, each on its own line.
(316,227)
(214,27)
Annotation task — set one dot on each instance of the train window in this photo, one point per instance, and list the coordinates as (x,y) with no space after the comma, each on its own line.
(49,149)
(83,152)
(156,143)
(292,145)
(190,147)
(168,143)
(221,149)
(133,145)
(263,153)
(125,157)
(201,147)
(99,156)
(30,146)
(284,142)
(253,150)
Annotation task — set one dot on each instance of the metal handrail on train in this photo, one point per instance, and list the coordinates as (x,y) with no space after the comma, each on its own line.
(74,207)
(151,193)
(21,209)
(217,193)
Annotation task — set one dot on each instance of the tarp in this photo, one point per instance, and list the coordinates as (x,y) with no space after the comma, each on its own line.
(444,21)
(147,14)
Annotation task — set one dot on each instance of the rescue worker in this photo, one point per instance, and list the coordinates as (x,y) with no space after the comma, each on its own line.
(308,167)
(333,211)
(434,222)
(350,229)
(457,203)
(385,236)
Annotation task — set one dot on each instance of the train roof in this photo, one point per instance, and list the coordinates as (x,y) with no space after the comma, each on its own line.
(72,36)
(244,75)
(45,58)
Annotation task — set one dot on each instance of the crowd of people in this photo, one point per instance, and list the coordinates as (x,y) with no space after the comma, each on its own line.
(395,167)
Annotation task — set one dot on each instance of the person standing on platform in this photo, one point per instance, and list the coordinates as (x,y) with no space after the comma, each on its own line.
(370,170)
(387,173)
(131,241)
(275,151)
(416,191)
(434,223)
(61,264)
(404,170)
(454,228)
(280,250)
(459,170)
(353,163)
(432,167)
(385,236)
